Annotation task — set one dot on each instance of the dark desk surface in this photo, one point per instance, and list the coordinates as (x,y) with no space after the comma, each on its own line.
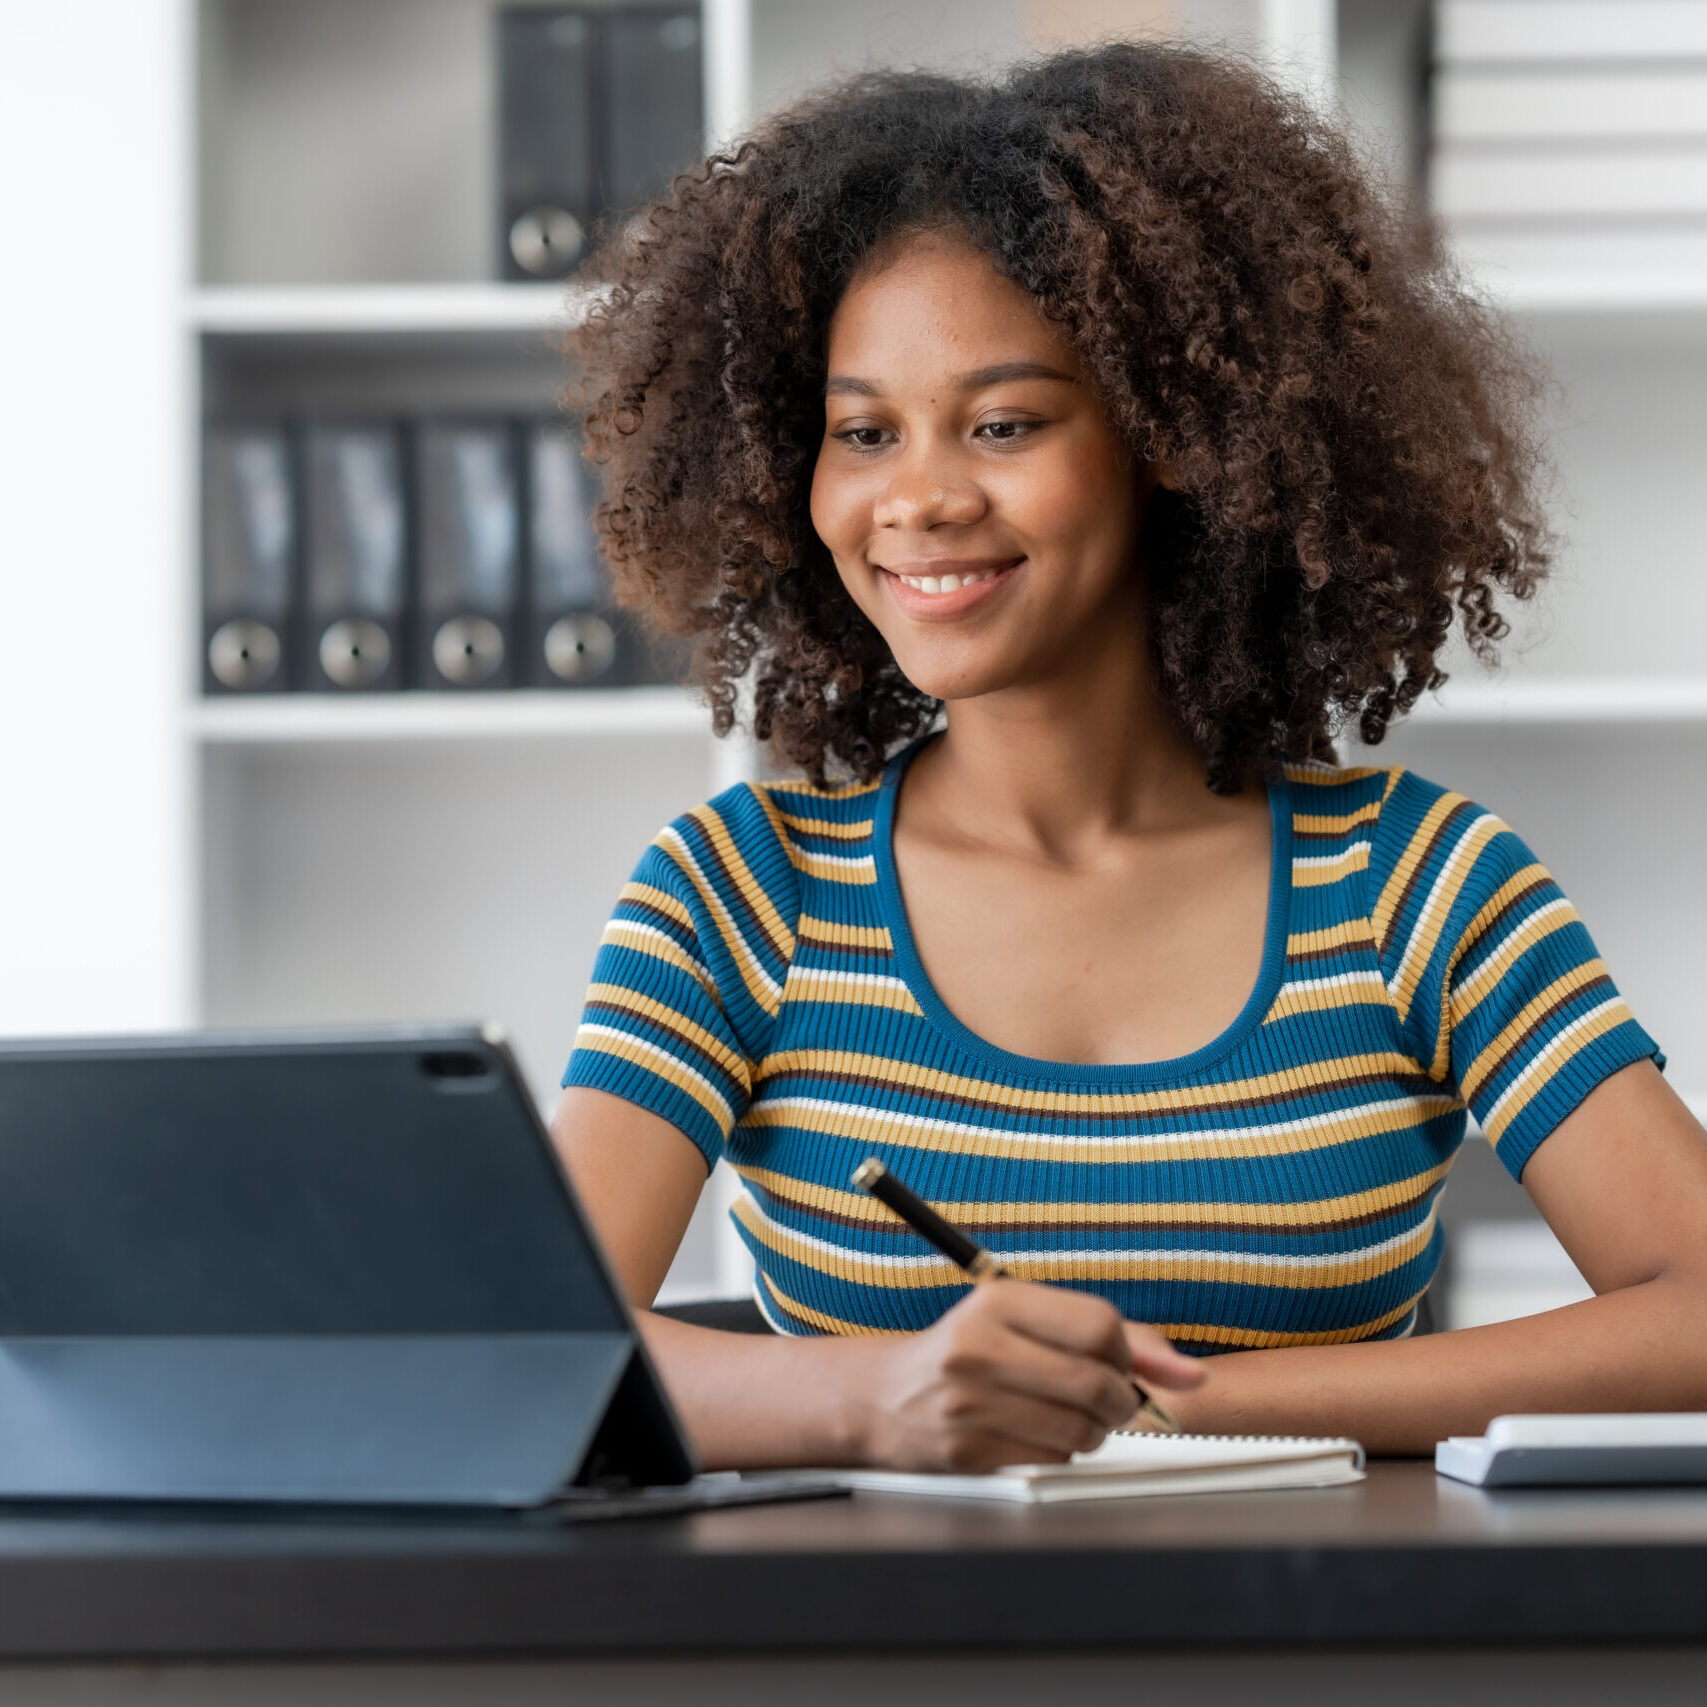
(1402,1558)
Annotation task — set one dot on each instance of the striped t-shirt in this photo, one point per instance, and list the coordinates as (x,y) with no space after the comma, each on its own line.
(758,988)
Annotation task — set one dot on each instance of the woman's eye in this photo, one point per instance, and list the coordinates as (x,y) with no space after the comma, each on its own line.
(861,438)
(1006,432)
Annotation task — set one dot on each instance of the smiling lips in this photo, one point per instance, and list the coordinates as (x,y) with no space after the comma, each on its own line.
(946,586)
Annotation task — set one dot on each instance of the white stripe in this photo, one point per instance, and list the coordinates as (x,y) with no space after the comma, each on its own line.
(649,1048)
(1481,973)
(871,980)
(730,930)
(1144,1254)
(1329,859)
(1453,860)
(1338,981)
(1070,1142)
(1556,1044)
(633,925)
(863,861)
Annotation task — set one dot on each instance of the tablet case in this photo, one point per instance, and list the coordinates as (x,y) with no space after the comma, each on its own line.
(305,1268)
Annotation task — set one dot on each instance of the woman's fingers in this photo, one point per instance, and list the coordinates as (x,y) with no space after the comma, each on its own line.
(1092,1327)
(1155,1361)
(1017,1428)
(1088,1386)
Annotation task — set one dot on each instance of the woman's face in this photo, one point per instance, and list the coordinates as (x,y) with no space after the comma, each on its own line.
(962,441)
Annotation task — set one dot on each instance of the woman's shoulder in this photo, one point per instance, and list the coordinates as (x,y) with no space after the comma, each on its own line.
(1412,837)
(749,844)
(1373,800)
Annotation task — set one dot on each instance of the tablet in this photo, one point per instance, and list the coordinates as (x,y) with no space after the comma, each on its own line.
(320,1267)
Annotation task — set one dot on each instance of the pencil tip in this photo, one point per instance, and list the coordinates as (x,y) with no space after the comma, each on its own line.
(868,1173)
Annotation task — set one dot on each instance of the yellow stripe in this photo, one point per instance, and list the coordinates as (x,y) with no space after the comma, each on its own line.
(753,891)
(1348,933)
(760,985)
(798,786)
(825,867)
(1394,887)
(1329,776)
(1263,1339)
(1443,896)
(1488,1060)
(878,992)
(1235,1339)
(1467,995)
(875,937)
(1541,1072)
(1317,824)
(1230,1268)
(631,1001)
(856,1205)
(1330,870)
(644,894)
(855,832)
(663,1066)
(818,1319)
(904,1076)
(880,1126)
(642,939)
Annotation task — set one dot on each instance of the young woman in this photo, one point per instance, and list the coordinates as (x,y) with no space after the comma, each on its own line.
(1060,463)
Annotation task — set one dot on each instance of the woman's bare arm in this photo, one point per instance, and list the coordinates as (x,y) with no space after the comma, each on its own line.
(1012,1373)
(1623,1182)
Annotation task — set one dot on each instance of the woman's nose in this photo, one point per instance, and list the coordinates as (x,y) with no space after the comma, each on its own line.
(921,496)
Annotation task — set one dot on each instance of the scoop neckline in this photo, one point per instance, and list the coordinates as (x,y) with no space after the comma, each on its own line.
(937,1011)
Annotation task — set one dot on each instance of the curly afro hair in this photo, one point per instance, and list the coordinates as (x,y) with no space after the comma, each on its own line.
(1352,429)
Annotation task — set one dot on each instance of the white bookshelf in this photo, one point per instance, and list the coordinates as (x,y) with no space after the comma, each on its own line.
(518,714)
(382,310)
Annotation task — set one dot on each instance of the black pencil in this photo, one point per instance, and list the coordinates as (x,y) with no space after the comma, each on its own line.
(873,1177)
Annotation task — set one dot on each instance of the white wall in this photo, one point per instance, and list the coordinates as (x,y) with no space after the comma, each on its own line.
(93,805)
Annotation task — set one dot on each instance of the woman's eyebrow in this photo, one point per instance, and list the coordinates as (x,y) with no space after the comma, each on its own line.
(846,385)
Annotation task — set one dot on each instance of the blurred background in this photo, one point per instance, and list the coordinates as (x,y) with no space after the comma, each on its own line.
(312,711)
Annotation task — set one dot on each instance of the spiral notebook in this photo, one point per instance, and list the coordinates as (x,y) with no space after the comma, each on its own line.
(1126,1465)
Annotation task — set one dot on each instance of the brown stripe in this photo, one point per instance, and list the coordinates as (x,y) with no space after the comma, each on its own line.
(805,939)
(673,925)
(1137,1222)
(629,1019)
(1348,835)
(869,1081)
(1469,946)
(1339,951)
(712,853)
(1442,830)
(1603,982)
(783,1310)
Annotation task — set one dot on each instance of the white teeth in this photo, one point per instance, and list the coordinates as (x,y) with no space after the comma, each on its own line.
(947,583)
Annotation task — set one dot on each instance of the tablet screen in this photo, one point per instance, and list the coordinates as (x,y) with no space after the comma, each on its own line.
(388,1185)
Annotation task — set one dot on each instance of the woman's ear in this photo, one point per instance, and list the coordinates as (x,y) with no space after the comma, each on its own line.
(1166,475)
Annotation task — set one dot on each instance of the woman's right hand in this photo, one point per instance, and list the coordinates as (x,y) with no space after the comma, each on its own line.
(1014,1373)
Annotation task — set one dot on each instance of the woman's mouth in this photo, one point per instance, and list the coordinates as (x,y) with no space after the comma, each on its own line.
(945,587)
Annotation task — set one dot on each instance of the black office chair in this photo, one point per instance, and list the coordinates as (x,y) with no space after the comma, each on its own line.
(731,1315)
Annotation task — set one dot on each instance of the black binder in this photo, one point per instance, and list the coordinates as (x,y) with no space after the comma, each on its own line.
(357,545)
(599,107)
(654,104)
(548,168)
(468,554)
(575,638)
(249,558)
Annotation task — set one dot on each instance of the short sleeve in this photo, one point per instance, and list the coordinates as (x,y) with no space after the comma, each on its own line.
(1498,984)
(688,976)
